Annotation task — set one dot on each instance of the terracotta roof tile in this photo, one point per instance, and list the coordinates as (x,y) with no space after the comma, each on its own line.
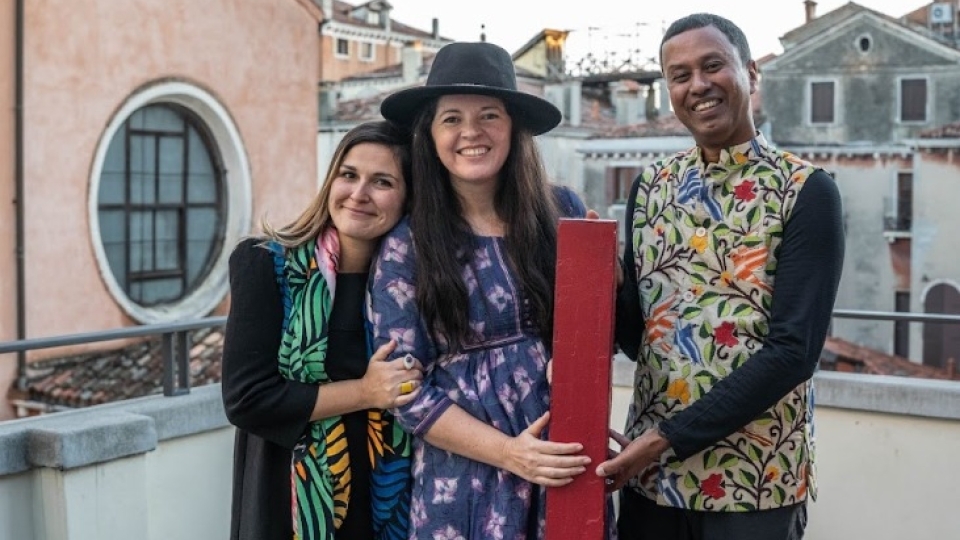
(946,131)
(841,355)
(129,372)
(666,126)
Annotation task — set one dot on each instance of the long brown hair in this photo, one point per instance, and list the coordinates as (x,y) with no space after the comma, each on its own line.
(443,239)
(316,217)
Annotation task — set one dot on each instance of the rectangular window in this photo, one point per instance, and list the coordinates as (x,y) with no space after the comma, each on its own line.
(619,180)
(822,102)
(904,201)
(343,47)
(913,100)
(367,51)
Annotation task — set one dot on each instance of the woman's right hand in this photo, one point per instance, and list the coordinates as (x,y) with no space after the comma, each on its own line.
(383,384)
(546,463)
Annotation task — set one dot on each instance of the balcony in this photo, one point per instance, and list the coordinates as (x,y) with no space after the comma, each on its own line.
(160,467)
(897,219)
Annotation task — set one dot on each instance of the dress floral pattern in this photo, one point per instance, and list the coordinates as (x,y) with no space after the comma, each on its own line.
(499,379)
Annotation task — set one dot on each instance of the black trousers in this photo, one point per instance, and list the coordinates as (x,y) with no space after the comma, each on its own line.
(642,519)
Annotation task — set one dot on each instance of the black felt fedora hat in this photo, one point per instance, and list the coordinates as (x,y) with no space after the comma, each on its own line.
(473,68)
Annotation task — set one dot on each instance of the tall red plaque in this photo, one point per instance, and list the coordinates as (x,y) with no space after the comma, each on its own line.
(582,351)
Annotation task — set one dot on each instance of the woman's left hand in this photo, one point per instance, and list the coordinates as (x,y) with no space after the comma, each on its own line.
(394,383)
(546,463)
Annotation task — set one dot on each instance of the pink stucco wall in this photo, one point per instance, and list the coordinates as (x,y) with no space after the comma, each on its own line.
(8,325)
(84,58)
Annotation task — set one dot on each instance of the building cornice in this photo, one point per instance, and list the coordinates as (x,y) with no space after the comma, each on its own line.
(338,29)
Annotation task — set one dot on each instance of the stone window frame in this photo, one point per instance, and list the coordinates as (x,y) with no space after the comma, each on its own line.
(928,106)
(156,223)
(336,47)
(808,101)
(238,200)
(373,51)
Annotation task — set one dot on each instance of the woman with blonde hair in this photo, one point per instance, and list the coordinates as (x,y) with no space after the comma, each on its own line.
(316,455)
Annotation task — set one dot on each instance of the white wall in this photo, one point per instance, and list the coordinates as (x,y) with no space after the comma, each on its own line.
(886,455)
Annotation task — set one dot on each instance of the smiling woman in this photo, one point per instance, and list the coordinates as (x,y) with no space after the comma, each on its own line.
(298,379)
(366,200)
(466,286)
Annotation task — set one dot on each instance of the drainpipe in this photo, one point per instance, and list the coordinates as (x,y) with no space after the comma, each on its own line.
(18,180)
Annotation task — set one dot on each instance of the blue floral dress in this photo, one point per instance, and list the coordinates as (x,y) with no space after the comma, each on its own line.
(501,380)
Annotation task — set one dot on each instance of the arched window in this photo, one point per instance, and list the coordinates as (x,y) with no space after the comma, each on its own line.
(161,204)
(941,340)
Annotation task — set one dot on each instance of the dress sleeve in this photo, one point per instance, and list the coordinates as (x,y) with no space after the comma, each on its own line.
(256,397)
(570,204)
(393,314)
(807,277)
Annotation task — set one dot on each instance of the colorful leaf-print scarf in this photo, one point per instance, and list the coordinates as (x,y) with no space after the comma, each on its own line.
(320,468)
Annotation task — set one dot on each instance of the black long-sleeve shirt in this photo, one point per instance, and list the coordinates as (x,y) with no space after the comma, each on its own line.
(807,275)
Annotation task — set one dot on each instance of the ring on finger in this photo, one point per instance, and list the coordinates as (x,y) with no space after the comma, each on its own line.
(406,387)
(408,361)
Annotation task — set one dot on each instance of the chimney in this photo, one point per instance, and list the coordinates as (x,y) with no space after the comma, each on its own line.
(411,61)
(436,28)
(664,94)
(811,8)
(385,17)
(327,7)
(329,98)
(626,102)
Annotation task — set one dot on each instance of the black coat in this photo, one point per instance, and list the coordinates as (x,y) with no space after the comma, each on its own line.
(269,411)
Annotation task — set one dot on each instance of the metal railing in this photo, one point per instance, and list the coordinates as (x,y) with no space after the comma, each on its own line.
(175,345)
(896,316)
(173,339)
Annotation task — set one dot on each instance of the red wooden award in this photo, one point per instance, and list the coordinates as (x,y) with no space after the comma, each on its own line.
(582,356)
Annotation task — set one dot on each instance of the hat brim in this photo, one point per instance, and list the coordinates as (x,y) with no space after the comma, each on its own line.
(527,110)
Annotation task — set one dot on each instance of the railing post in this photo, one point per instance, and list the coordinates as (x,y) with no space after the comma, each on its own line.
(176,363)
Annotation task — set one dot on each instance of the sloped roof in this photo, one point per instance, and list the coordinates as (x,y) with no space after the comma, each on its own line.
(841,355)
(128,372)
(828,20)
(368,108)
(537,38)
(946,131)
(342,13)
(831,19)
(664,126)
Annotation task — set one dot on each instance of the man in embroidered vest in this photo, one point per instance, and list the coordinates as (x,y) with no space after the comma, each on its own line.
(731,270)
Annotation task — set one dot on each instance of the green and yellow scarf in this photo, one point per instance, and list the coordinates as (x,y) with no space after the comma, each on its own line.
(320,469)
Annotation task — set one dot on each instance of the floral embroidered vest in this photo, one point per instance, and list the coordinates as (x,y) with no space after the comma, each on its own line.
(705,239)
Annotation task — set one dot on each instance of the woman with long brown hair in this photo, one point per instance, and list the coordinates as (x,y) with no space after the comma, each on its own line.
(466,286)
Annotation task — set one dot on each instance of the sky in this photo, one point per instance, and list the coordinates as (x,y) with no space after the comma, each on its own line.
(637,24)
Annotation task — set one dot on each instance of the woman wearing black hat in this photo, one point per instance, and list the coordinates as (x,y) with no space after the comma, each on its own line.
(465,284)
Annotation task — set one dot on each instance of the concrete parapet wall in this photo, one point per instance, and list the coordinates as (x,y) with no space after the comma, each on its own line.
(160,468)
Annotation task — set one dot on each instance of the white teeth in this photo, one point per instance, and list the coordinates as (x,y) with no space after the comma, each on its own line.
(706,105)
(472,152)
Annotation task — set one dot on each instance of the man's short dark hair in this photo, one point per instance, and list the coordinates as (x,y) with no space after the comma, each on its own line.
(701,20)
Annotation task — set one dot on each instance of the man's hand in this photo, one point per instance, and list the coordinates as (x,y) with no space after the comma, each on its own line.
(634,457)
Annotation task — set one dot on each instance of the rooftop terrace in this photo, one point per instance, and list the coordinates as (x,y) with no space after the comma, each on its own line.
(160,467)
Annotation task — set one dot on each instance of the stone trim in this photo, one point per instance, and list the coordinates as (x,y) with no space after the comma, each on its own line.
(904,396)
(82,437)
